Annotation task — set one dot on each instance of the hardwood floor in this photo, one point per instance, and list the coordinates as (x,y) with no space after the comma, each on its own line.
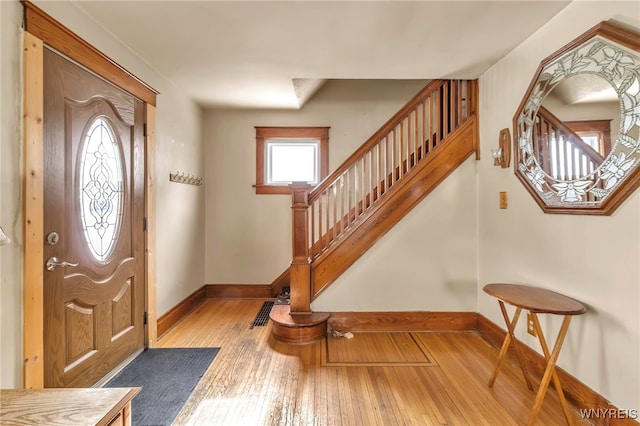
(255,380)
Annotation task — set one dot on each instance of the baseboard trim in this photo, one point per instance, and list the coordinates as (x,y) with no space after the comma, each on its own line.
(282,280)
(403,321)
(181,310)
(576,392)
(239,291)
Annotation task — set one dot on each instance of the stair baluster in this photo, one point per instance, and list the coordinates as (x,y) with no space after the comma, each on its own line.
(332,213)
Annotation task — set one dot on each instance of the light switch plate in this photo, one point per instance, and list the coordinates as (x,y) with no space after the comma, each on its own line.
(503,200)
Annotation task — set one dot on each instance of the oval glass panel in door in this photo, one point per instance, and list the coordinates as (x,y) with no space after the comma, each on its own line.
(101,189)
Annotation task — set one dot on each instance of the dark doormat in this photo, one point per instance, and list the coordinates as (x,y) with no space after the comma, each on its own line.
(167,378)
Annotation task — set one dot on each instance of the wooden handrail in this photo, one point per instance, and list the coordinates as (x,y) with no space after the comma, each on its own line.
(570,136)
(386,164)
(386,157)
(375,138)
(560,130)
(329,263)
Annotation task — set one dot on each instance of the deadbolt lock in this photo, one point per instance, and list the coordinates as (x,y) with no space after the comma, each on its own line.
(53,238)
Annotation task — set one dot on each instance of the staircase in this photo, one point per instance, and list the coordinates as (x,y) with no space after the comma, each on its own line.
(338,220)
(561,152)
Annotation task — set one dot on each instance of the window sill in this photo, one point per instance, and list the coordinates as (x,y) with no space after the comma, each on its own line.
(272,189)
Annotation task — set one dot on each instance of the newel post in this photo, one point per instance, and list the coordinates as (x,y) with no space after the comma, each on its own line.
(300,275)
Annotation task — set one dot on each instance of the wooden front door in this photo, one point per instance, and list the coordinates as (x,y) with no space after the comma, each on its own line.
(94,283)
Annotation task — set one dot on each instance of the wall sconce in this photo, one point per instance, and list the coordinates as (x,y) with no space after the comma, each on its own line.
(502,155)
(4,240)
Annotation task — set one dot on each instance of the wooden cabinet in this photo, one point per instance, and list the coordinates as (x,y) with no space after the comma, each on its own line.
(66,407)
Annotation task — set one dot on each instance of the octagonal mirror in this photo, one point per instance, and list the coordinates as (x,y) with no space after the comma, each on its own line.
(577,129)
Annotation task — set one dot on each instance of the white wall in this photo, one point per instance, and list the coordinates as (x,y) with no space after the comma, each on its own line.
(10,202)
(179,147)
(593,259)
(248,236)
(427,262)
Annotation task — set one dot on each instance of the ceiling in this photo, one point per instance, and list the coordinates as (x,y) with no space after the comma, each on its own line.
(585,88)
(275,54)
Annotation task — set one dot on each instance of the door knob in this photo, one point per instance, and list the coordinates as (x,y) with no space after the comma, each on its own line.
(53,263)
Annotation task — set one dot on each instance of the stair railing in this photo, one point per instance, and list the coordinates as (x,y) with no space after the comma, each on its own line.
(339,201)
(562,154)
(338,204)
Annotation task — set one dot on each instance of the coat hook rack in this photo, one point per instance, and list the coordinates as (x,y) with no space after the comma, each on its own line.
(181,177)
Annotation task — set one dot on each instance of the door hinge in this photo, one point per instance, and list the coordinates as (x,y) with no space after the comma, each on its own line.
(146,318)
(144,224)
(144,130)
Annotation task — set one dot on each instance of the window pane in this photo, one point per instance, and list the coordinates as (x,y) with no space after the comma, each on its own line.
(592,140)
(292,162)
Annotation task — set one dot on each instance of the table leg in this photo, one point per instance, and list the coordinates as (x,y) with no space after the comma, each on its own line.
(550,370)
(126,414)
(511,325)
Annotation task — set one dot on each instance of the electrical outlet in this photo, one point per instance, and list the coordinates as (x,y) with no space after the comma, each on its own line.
(531,329)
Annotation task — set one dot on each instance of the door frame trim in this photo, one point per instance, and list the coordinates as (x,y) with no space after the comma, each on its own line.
(60,38)
(51,33)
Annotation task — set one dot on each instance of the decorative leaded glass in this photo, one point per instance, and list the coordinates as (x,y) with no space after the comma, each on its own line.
(101,189)
(621,68)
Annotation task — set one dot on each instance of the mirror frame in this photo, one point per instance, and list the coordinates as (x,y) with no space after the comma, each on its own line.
(619,174)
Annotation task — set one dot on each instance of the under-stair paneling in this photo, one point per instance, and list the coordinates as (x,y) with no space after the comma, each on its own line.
(427,262)
(248,236)
(592,259)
